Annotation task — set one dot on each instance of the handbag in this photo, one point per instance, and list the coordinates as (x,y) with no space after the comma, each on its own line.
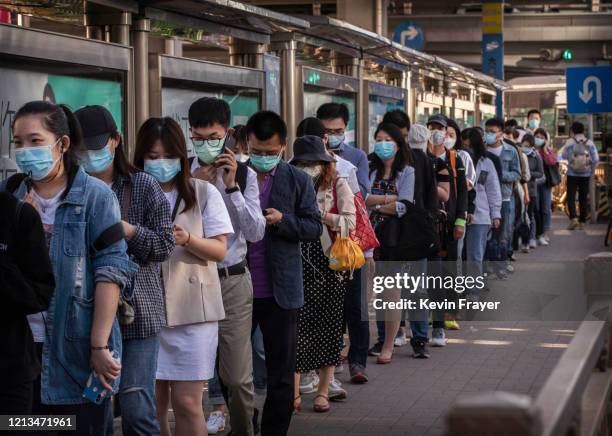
(125,310)
(495,252)
(345,255)
(363,234)
(553,175)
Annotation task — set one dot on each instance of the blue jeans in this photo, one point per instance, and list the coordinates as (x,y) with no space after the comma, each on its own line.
(259,360)
(507,215)
(137,389)
(545,205)
(476,244)
(532,211)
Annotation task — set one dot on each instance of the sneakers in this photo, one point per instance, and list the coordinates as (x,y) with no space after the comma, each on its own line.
(438,338)
(419,348)
(339,369)
(451,324)
(216,422)
(335,390)
(533,243)
(376,349)
(580,226)
(542,241)
(309,383)
(358,375)
(502,275)
(525,248)
(400,339)
(510,268)
(573,224)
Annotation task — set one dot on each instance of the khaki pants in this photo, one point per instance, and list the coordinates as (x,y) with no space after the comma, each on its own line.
(235,354)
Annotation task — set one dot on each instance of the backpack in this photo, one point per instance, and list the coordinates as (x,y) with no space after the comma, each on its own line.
(580,159)
(411,237)
(241,174)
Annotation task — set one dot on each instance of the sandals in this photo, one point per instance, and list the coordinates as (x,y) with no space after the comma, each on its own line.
(321,408)
(297,404)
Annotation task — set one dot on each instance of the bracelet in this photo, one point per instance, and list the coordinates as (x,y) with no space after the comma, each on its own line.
(188,239)
(99,348)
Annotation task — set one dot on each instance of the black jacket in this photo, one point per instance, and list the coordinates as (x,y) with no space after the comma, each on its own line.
(26,287)
(425,190)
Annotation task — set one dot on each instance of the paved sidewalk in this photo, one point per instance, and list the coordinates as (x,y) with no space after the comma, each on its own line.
(411,397)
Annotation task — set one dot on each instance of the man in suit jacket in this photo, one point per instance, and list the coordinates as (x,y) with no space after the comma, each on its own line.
(288,201)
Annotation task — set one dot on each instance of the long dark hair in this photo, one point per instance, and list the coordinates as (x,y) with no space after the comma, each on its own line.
(59,120)
(169,133)
(476,143)
(121,164)
(402,158)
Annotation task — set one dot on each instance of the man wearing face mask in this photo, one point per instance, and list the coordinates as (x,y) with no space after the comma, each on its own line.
(335,118)
(511,174)
(288,201)
(450,175)
(534,118)
(209,120)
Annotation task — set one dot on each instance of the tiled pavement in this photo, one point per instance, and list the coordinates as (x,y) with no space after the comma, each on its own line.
(411,397)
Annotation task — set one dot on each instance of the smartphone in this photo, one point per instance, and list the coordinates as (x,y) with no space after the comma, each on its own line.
(94,391)
(264,212)
(482,178)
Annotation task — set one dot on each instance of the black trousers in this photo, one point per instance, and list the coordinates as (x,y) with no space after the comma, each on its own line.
(16,399)
(355,312)
(580,184)
(279,329)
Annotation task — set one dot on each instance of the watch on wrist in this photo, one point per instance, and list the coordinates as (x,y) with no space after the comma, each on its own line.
(232,190)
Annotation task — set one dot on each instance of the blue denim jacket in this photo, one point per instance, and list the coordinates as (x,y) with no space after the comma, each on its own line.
(89,208)
(511,170)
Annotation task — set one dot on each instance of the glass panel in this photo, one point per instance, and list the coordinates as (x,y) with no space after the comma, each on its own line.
(378,107)
(315,96)
(21,85)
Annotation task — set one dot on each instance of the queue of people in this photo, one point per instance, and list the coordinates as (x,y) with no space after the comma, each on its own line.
(141,280)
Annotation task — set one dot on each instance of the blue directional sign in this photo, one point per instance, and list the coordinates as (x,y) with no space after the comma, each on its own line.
(409,34)
(589,89)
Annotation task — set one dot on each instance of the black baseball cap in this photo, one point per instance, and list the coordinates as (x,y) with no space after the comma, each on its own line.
(97,125)
(310,148)
(438,119)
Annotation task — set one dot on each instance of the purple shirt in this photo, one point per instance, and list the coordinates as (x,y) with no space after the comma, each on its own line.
(257,250)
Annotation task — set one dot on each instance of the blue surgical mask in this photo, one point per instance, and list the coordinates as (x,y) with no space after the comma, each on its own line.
(207,150)
(96,161)
(534,123)
(335,141)
(539,141)
(163,170)
(264,164)
(385,150)
(490,138)
(37,161)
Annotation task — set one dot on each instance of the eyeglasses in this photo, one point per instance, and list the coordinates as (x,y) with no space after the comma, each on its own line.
(199,142)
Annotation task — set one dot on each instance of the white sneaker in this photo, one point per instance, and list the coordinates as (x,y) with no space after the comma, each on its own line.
(438,338)
(400,339)
(309,383)
(216,422)
(533,243)
(335,390)
(542,241)
(339,369)
(509,268)
(547,238)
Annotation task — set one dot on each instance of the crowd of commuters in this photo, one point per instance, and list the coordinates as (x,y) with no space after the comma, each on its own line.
(148,278)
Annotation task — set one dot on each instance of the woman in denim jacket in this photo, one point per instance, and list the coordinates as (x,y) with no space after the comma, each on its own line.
(80,330)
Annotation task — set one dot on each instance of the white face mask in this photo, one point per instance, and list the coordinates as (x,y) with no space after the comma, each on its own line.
(449,143)
(314,171)
(437,137)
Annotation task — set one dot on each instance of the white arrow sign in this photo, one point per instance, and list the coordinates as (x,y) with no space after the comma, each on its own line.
(409,34)
(586,94)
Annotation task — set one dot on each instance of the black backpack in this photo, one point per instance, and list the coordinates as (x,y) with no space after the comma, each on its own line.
(412,237)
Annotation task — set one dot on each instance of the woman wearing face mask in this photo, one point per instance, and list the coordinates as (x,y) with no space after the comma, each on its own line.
(191,282)
(148,232)
(81,332)
(536,171)
(551,171)
(320,320)
(391,180)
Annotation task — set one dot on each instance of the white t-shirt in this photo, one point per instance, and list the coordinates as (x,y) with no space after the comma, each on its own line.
(215,218)
(497,151)
(46,208)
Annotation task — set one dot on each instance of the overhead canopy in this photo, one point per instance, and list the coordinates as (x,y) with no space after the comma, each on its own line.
(227,17)
(350,39)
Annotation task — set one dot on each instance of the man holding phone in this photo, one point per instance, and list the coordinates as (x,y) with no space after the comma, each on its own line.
(215,162)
